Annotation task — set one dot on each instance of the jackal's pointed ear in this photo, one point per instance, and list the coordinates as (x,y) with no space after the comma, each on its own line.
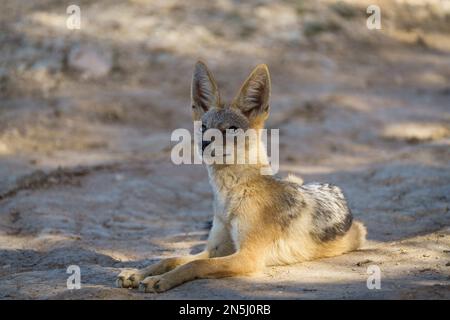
(253,97)
(204,91)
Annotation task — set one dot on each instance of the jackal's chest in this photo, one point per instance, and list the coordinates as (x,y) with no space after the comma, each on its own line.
(222,208)
(226,214)
(226,204)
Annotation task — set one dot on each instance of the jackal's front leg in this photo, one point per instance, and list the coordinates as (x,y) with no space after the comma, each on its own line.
(219,243)
(235,264)
(130,278)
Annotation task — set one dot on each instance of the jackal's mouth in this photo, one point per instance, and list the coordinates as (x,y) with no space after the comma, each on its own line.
(213,154)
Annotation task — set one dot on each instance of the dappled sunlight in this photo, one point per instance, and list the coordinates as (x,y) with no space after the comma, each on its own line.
(416,132)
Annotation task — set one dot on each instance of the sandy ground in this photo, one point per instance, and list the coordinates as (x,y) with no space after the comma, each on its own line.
(85,171)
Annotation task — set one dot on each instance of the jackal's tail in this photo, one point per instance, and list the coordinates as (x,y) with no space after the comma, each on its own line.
(356,236)
(352,240)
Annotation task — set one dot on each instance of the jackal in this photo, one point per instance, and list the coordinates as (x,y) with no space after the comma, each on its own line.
(259,220)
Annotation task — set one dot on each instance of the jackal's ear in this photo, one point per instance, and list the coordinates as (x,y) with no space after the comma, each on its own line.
(253,97)
(204,91)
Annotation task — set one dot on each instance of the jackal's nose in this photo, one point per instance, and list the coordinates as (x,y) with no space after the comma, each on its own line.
(205,144)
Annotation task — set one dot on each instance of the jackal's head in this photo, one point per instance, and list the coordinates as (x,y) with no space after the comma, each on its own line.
(243,117)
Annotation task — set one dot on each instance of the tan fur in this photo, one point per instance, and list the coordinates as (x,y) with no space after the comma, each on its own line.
(294,179)
(254,226)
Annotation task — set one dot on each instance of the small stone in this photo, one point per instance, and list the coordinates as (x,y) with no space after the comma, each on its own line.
(361,263)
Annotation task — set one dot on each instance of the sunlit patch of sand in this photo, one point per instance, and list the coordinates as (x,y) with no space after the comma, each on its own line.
(415,132)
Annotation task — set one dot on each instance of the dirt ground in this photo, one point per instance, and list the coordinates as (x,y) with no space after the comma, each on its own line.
(85,171)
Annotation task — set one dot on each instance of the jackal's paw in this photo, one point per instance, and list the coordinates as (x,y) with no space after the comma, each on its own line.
(129,278)
(154,284)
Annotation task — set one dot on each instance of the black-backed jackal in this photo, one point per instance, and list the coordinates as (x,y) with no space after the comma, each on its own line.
(259,220)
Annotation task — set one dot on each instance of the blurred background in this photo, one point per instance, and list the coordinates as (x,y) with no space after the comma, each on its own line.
(86,117)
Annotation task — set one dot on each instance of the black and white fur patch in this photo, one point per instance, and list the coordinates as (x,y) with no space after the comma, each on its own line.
(331,216)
